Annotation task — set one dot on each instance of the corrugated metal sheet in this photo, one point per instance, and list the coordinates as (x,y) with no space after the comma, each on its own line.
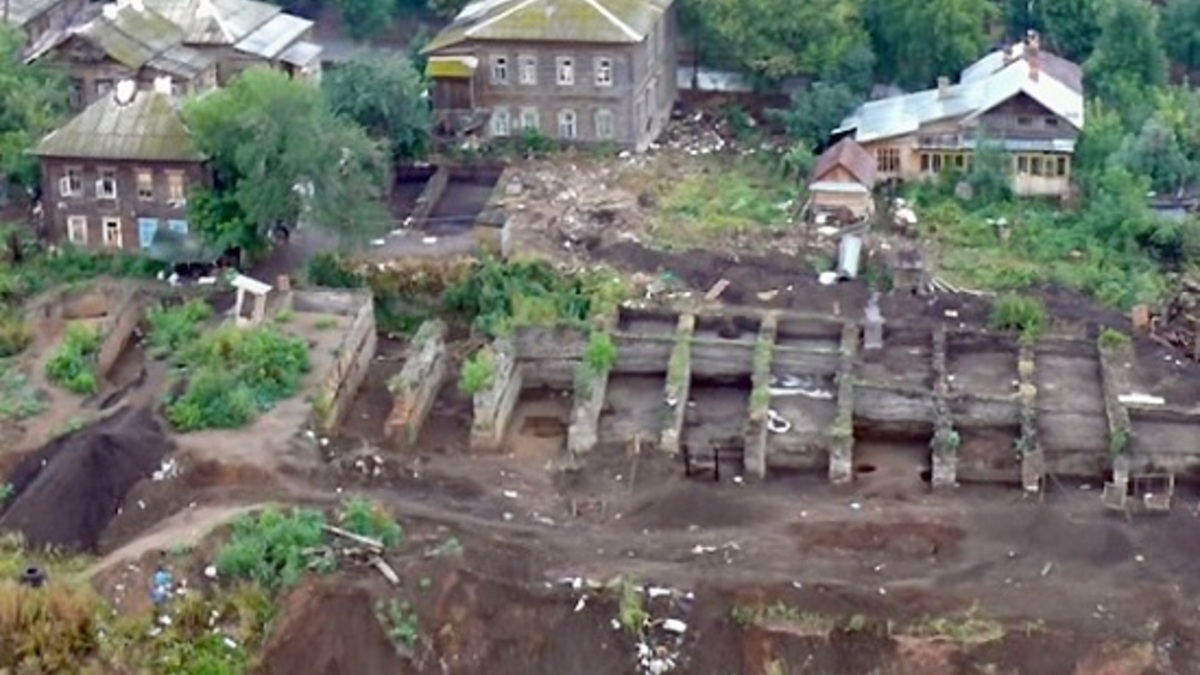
(274,36)
(21,12)
(598,21)
(215,22)
(133,36)
(147,128)
(839,187)
(182,62)
(451,66)
(301,54)
(1056,66)
(903,115)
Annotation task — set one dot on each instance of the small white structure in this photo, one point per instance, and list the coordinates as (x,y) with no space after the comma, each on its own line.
(259,290)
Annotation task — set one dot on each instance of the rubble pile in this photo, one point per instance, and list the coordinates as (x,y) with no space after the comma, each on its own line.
(1176,324)
(660,644)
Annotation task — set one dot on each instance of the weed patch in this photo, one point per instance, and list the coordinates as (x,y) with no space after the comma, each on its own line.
(273,548)
(747,195)
(477,372)
(1025,315)
(73,364)
(400,622)
(18,398)
(172,329)
(370,519)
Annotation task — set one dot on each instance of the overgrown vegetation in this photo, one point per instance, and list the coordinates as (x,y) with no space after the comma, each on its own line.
(233,374)
(477,373)
(271,548)
(171,328)
(18,398)
(1023,314)
(400,622)
(72,366)
(370,519)
(631,607)
(1110,339)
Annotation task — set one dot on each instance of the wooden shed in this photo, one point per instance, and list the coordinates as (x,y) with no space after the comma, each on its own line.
(842,180)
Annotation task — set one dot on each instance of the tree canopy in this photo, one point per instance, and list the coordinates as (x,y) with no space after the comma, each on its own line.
(1128,56)
(279,154)
(916,42)
(33,101)
(383,95)
(1180,28)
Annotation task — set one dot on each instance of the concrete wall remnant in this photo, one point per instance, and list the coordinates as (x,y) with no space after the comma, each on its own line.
(841,435)
(679,385)
(1033,458)
(1114,359)
(417,385)
(340,383)
(946,439)
(591,386)
(494,404)
(123,318)
(755,434)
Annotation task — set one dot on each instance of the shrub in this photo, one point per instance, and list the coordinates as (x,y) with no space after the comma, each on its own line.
(497,296)
(271,547)
(369,519)
(14,336)
(72,366)
(477,372)
(18,398)
(332,271)
(171,329)
(1023,314)
(1111,339)
(46,630)
(600,353)
(213,399)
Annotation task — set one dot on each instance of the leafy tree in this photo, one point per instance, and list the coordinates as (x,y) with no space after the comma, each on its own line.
(1156,153)
(916,42)
(816,111)
(1128,57)
(1069,28)
(990,176)
(1100,140)
(775,39)
(219,220)
(33,101)
(364,19)
(1180,31)
(383,96)
(279,152)
(797,162)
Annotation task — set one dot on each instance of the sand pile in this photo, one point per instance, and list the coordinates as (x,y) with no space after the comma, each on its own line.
(330,629)
(66,493)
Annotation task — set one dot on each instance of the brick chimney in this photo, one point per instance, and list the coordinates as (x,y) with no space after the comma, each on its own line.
(1035,67)
(943,88)
(1033,43)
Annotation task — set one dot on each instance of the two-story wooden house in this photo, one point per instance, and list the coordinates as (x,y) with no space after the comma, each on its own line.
(127,41)
(1028,102)
(120,171)
(573,70)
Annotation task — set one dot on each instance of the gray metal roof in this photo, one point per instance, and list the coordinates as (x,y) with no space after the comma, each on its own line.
(587,21)
(903,115)
(273,37)
(21,12)
(301,54)
(148,128)
(215,22)
(1059,68)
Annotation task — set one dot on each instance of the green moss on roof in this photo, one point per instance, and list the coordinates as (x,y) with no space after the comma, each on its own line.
(594,21)
(148,128)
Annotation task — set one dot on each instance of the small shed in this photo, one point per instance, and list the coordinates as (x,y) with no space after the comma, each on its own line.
(842,179)
(258,310)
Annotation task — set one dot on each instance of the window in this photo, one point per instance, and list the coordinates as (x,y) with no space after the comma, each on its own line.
(77,230)
(1035,166)
(499,70)
(566,71)
(529,119)
(1051,122)
(1060,168)
(75,99)
(176,187)
(106,187)
(924,162)
(936,163)
(566,124)
(1022,164)
(178,226)
(1024,121)
(605,127)
(112,233)
(887,160)
(529,70)
(103,87)
(145,184)
(70,184)
(147,228)
(604,72)
(500,122)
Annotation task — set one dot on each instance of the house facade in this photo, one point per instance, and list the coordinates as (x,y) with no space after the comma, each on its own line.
(572,70)
(37,19)
(841,181)
(1022,100)
(120,171)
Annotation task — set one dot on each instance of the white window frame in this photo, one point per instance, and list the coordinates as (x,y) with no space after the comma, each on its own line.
(568,124)
(177,187)
(70,184)
(564,71)
(527,63)
(499,69)
(106,184)
(530,119)
(77,231)
(501,123)
(110,241)
(604,71)
(148,195)
(606,125)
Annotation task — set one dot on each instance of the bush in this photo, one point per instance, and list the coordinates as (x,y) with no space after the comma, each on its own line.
(14,336)
(477,372)
(46,630)
(1111,339)
(1023,314)
(171,329)
(270,548)
(370,520)
(332,271)
(72,365)
(600,353)
(236,373)
(497,296)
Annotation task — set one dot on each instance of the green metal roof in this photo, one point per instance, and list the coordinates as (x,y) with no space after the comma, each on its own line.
(595,21)
(147,128)
(133,36)
(215,22)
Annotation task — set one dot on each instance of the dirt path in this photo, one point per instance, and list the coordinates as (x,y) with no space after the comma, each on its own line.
(186,528)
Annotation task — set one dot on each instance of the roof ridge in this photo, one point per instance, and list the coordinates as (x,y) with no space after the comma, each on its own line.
(500,17)
(614,19)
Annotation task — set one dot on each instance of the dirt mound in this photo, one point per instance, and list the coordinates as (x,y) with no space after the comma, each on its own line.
(687,503)
(67,492)
(330,629)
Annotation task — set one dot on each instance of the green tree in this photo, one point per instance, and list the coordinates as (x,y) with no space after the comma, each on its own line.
(279,152)
(383,95)
(364,19)
(1128,58)
(816,111)
(218,219)
(1099,141)
(990,176)
(1070,28)
(916,42)
(775,39)
(33,101)
(1156,153)
(1180,31)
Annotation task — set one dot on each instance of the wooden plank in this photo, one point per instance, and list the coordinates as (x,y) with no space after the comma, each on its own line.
(716,290)
(365,541)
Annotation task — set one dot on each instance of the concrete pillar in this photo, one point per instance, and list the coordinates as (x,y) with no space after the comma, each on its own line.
(944,448)
(841,436)
(589,393)
(1033,459)
(494,404)
(756,432)
(1114,361)
(679,384)
(417,385)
